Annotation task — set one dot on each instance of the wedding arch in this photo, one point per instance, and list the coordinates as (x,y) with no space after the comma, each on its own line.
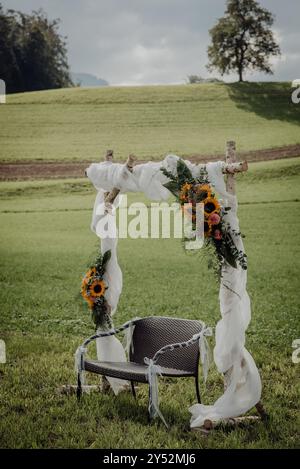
(189,182)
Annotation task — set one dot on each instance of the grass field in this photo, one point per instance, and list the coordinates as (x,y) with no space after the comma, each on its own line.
(45,246)
(80,124)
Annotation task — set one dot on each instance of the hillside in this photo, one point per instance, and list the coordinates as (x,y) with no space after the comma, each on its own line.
(80,124)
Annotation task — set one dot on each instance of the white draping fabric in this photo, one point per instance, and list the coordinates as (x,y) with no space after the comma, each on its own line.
(244,385)
(110,348)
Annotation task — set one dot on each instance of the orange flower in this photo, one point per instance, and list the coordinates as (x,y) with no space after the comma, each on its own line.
(186,187)
(87,298)
(90,273)
(184,191)
(203,188)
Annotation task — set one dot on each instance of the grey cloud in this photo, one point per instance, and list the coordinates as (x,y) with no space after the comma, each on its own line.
(155,41)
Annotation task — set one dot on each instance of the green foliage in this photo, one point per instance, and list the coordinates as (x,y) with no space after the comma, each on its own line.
(183,175)
(45,242)
(243,39)
(105,258)
(101,262)
(225,248)
(33,55)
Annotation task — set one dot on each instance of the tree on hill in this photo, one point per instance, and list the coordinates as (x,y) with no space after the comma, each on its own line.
(242,39)
(33,54)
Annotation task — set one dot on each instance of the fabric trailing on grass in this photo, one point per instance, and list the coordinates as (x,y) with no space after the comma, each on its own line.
(243,381)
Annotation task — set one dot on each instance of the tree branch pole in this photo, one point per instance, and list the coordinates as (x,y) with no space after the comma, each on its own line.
(233,167)
(227,166)
(230,161)
(110,196)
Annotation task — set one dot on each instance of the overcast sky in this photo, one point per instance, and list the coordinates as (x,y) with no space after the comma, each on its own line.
(136,42)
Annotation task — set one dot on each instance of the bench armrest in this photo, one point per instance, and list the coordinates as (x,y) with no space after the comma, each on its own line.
(199,337)
(81,350)
(108,333)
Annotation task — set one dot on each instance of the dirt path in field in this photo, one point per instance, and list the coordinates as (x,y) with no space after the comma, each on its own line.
(26,170)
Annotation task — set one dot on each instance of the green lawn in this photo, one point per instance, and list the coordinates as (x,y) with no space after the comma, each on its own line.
(45,246)
(150,121)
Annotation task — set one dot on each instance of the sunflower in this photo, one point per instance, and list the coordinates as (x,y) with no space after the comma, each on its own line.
(97,288)
(90,273)
(86,297)
(204,190)
(84,283)
(211,205)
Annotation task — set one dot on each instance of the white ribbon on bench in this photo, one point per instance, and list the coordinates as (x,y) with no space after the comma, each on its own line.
(79,356)
(152,371)
(205,350)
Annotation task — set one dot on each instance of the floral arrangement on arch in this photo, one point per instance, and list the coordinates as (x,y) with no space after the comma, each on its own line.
(93,288)
(189,192)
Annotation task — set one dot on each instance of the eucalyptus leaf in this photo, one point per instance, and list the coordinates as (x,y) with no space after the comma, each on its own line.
(106,257)
(172,187)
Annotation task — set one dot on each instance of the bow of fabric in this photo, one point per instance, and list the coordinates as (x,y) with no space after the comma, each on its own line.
(205,353)
(152,372)
(128,336)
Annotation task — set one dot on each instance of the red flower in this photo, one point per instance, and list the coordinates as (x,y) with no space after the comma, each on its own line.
(214,219)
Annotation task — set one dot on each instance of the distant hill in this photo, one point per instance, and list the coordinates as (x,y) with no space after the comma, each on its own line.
(86,79)
(150,121)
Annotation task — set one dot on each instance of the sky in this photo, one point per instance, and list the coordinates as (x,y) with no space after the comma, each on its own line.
(138,42)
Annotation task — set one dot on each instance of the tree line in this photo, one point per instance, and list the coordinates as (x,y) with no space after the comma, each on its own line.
(33,55)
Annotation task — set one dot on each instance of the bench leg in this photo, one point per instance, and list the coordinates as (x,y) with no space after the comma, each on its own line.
(261,411)
(197,389)
(79,387)
(133,389)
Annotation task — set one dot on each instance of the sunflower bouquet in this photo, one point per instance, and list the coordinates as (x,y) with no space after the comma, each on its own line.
(189,192)
(93,288)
